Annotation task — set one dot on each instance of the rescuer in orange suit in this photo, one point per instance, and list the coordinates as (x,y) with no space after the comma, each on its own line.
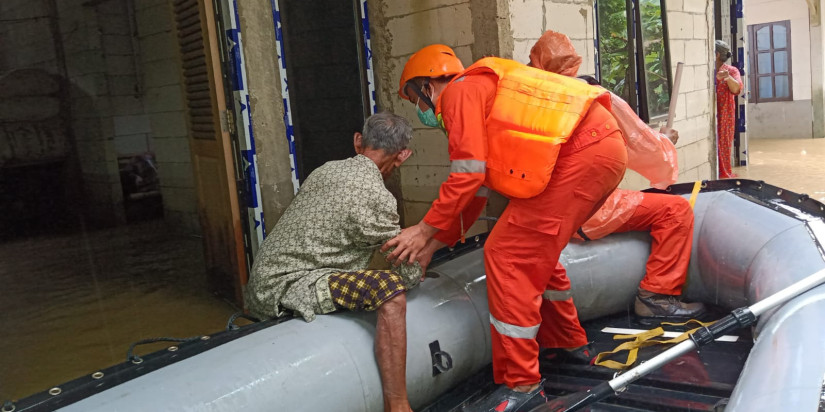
(668,218)
(548,143)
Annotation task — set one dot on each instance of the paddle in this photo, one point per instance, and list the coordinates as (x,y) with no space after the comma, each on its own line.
(738,318)
(674,96)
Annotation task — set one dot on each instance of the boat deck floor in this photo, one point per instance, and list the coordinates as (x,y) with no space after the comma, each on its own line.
(698,381)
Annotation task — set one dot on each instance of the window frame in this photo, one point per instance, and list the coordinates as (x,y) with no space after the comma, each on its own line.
(754,76)
(638,98)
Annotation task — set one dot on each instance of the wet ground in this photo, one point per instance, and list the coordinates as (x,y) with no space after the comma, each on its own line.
(797,165)
(72,304)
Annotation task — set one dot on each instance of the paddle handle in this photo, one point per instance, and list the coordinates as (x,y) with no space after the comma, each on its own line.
(788,293)
(674,96)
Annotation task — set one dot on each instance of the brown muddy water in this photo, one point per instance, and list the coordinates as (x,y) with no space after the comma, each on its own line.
(797,165)
(72,304)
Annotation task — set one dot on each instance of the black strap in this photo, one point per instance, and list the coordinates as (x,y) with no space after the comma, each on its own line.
(420,94)
(581,233)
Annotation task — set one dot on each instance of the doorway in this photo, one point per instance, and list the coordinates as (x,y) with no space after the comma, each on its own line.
(323,47)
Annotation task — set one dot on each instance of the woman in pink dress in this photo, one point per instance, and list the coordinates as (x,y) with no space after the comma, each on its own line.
(728,86)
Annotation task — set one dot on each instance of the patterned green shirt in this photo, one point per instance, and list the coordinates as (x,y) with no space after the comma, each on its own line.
(341,215)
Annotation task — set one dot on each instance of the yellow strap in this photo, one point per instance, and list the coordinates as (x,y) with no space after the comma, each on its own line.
(641,340)
(697,186)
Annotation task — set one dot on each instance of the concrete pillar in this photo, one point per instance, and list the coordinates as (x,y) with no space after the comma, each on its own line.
(267,108)
(491,29)
(817,67)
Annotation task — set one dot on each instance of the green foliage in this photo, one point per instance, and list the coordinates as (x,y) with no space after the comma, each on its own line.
(615,52)
(614,55)
(655,66)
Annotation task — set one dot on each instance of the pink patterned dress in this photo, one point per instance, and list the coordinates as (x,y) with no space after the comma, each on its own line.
(726,119)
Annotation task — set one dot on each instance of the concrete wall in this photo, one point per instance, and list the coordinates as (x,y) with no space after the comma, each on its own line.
(163,111)
(780,120)
(767,11)
(27,40)
(785,119)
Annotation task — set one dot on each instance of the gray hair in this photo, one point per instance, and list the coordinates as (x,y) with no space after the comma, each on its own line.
(386,131)
(722,47)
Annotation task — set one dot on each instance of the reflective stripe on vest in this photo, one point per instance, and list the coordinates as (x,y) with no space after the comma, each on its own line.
(468,166)
(557,295)
(513,331)
(483,191)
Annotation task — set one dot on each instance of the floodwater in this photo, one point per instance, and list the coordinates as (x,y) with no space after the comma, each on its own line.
(797,165)
(72,304)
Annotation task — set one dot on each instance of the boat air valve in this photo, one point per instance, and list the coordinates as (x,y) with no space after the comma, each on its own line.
(8,407)
(441,361)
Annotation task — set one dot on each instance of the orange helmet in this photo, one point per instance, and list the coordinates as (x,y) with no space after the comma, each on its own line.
(435,60)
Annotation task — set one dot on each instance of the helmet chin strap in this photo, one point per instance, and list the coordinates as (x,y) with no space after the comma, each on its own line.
(420,94)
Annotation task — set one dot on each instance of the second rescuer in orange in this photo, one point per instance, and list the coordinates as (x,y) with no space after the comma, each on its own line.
(548,143)
(668,218)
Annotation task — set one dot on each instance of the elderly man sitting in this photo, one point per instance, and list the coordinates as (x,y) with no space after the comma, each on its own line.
(315,260)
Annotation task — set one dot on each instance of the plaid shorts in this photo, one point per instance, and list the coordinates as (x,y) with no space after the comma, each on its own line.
(364,289)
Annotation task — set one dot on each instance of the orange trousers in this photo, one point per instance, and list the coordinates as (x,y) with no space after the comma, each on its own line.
(521,258)
(669,220)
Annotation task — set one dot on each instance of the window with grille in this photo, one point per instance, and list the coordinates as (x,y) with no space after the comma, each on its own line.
(770,62)
(634,55)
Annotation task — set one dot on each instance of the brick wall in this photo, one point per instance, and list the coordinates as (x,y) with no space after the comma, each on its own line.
(531,18)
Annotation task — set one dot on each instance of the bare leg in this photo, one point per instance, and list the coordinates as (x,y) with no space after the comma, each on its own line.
(391,352)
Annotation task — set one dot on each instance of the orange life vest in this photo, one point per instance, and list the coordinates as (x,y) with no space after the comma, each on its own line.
(533,114)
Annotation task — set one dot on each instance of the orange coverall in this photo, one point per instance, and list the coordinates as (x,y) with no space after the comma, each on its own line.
(668,218)
(524,279)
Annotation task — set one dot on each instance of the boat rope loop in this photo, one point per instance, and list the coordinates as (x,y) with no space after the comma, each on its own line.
(131,357)
(230,325)
(641,340)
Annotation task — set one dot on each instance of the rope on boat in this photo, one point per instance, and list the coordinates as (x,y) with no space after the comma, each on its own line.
(231,324)
(131,357)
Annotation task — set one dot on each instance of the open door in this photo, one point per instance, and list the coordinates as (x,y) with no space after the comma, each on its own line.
(211,148)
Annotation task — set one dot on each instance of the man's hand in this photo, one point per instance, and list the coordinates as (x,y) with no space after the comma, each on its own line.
(409,243)
(426,255)
(671,134)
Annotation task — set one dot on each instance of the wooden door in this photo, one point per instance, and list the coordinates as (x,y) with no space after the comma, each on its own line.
(211,149)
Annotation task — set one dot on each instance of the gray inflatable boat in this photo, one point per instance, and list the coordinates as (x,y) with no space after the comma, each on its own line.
(751,240)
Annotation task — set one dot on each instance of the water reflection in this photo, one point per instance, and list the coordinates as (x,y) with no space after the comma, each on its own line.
(72,304)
